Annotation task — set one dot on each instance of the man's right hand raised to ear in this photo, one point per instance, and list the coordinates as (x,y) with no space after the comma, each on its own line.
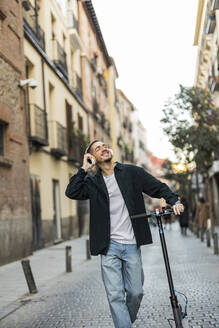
(89,162)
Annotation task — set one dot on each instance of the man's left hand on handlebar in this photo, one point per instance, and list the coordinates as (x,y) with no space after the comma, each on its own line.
(178,209)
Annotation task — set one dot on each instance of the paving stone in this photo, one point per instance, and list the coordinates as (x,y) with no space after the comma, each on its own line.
(78,299)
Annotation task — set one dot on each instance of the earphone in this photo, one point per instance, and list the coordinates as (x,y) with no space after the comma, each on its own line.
(111,151)
(90,161)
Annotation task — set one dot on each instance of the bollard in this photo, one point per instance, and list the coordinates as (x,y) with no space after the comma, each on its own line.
(216,250)
(29,276)
(88,249)
(197,231)
(208,238)
(202,234)
(193,227)
(68,258)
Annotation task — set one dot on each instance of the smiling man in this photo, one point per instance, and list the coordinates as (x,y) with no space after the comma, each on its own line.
(116,192)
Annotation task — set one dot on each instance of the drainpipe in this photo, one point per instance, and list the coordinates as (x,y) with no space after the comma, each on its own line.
(44,95)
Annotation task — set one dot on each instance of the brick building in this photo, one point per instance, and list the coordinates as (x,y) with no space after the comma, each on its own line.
(15,211)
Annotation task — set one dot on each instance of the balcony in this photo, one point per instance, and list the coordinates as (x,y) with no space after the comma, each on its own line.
(120,141)
(107,127)
(96,110)
(32,27)
(72,21)
(77,84)
(58,135)
(77,146)
(215,4)
(38,125)
(213,83)
(93,63)
(141,145)
(125,124)
(102,83)
(213,79)
(211,19)
(103,120)
(74,30)
(130,127)
(129,153)
(59,58)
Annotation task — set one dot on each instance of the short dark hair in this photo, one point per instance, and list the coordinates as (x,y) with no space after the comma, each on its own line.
(88,149)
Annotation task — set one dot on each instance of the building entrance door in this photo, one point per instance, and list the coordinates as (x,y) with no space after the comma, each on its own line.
(36,213)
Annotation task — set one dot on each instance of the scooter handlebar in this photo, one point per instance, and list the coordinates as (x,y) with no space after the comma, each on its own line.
(155,214)
(140,216)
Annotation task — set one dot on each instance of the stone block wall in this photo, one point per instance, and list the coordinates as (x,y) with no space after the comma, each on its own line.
(15,210)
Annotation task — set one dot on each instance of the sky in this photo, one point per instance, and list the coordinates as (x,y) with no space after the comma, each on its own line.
(152,45)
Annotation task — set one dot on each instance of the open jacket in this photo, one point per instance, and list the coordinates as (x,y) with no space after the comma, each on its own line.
(132,181)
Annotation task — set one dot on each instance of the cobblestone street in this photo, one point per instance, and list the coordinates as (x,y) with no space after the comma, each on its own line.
(78,299)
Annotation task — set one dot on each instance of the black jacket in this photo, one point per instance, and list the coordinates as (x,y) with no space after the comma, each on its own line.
(132,181)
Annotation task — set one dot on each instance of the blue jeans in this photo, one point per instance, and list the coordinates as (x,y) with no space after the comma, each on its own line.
(123,278)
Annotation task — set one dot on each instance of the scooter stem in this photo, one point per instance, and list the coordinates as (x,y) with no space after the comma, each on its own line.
(174,302)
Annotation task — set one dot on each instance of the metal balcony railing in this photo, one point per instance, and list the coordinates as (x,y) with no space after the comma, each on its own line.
(76,25)
(210,19)
(107,127)
(32,26)
(38,125)
(58,135)
(125,123)
(130,127)
(77,148)
(102,83)
(59,58)
(72,20)
(78,85)
(103,120)
(93,63)
(213,79)
(129,155)
(95,106)
(215,4)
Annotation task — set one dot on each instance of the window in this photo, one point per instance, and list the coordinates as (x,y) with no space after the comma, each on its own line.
(2,132)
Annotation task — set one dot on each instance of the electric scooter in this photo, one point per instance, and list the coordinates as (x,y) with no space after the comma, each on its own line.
(177,309)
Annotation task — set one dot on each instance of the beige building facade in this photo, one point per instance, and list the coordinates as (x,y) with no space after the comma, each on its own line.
(66,56)
(207,73)
(141,153)
(95,62)
(124,128)
(57,117)
(63,82)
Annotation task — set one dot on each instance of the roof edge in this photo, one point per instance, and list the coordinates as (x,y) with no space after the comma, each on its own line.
(89,8)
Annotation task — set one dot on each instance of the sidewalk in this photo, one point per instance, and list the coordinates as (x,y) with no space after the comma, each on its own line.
(194,269)
(46,264)
(79,300)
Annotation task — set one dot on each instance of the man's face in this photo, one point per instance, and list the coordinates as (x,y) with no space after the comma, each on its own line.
(101,152)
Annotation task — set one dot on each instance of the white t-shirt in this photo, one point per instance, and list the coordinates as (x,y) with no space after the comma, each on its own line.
(121,228)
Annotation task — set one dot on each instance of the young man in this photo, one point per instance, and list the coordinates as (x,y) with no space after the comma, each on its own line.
(115,193)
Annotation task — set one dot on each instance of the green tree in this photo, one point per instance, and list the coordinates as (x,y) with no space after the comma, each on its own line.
(191,123)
